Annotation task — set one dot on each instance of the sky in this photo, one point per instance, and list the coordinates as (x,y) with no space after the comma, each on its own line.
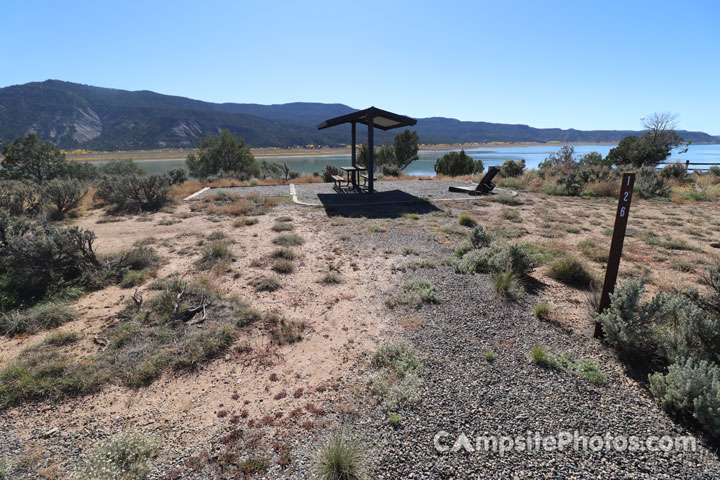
(568,64)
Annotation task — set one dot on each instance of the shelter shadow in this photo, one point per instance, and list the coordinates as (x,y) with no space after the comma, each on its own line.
(388,204)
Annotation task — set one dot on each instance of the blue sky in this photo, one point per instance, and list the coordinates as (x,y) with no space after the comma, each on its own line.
(579,64)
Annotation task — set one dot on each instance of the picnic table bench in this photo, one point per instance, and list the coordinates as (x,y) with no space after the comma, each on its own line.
(339,180)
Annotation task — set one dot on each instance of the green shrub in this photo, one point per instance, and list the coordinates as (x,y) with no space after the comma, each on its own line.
(511,168)
(400,357)
(496,259)
(288,240)
(177,176)
(675,170)
(649,183)
(467,221)
(342,457)
(133,193)
(44,316)
(19,198)
(123,168)
(571,271)
(223,155)
(329,171)
(479,238)
(125,456)
(458,163)
(62,196)
(714,170)
(489,356)
(44,258)
(398,381)
(691,387)
(668,328)
(391,170)
(415,294)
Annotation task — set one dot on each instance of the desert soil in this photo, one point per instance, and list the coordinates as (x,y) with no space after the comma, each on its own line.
(346,323)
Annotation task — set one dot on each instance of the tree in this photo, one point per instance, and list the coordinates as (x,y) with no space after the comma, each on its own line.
(223,155)
(28,158)
(458,163)
(406,148)
(653,147)
(401,153)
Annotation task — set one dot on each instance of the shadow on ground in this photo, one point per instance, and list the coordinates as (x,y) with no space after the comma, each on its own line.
(389,204)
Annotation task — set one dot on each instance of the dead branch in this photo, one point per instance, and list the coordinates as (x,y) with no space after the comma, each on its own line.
(189,313)
(102,341)
(137,298)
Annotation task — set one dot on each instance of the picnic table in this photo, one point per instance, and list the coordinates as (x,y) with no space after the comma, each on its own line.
(353,174)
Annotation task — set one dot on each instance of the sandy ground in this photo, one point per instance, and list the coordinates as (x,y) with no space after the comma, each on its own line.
(346,321)
(343,321)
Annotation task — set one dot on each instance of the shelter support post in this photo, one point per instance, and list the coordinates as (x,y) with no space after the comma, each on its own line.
(353,144)
(371,156)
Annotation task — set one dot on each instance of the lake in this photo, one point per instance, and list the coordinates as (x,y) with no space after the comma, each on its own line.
(424,165)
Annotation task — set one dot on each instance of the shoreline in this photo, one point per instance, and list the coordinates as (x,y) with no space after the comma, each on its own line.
(170,154)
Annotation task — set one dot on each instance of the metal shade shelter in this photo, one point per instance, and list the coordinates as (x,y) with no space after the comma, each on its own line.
(374,118)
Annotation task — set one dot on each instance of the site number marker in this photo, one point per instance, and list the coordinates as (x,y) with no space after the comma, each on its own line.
(618,238)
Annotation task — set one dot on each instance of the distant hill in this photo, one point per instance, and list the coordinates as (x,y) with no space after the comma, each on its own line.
(80,116)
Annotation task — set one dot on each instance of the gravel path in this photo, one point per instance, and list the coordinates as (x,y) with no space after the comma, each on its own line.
(465,393)
(264,190)
(386,192)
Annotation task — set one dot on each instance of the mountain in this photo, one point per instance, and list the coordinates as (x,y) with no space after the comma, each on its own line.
(72,115)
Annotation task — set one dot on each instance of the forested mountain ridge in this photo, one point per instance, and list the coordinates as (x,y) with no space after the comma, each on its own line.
(72,115)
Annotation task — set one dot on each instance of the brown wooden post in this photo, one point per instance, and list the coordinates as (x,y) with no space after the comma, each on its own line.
(618,237)
(353,144)
(371,154)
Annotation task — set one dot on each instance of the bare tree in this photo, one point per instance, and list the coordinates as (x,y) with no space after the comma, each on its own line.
(659,123)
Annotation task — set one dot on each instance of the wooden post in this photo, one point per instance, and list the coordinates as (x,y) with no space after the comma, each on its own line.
(353,144)
(618,237)
(371,155)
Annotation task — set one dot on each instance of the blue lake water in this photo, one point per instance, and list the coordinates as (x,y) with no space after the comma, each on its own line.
(424,165)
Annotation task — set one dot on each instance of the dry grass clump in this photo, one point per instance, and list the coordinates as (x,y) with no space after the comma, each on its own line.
(40,317)
(288,240)
(342,457)
(213,254)
(282,227)
(265,284)
(284,331)
(604,189)
(331,278)
(284,253)
(283,266)
(245,222)
(571,271)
